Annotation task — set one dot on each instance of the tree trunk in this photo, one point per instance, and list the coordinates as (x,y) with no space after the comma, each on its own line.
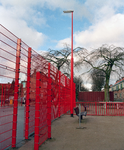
(106,92)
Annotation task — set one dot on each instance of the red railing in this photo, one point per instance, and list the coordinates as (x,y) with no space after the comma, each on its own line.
(103,108)
(19,65)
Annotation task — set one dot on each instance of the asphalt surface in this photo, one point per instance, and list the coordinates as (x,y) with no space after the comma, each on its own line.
(20,125)
(100,133)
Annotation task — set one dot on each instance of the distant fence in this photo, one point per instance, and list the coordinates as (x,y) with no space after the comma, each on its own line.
(93,96)
(103,108)
(47,96)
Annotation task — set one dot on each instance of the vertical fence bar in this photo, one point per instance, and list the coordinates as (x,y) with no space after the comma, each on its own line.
(96,108)
(15,110)
(66,93)
(59,93)
(28,94)
(74,96)
(2,96)
(64,99)
(49,103)
(106,108)
(37,112)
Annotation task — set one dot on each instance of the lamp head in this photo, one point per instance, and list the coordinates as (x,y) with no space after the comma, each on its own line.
(68,11)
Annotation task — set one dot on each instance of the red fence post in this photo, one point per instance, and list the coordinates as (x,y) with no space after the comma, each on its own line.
(37,112)
(14,128)
(64,99)
(74,97)
(4,94)
(59,92)
(49,103)
(66,104)
(70,96)
(96,108)
(28,94)
(2,97)
(106,108)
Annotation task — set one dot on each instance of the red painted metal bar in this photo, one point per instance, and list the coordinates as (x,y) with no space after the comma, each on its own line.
(49,103)
(28,94)
(64,99)
(37,112)
(72,68)
(4,94)
(59,93)
(74,96)
(14,128)
(2,97)
(106,108)
(66,93)
(96,108)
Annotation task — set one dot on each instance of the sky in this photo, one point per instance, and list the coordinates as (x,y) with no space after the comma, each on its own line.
(42,24)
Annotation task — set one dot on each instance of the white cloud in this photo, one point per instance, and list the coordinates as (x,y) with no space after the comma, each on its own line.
(107,24)
(77,6)
(109,31)
(17,20)
(62,43)
(20,17)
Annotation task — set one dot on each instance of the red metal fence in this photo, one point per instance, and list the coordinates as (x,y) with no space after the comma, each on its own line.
(94,96)
(103,108)
(49,98)
(8,55)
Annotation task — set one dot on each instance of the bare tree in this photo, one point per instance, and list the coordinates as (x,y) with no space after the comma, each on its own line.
(58,58)
(98,79)
(61,58)
(108,59)
(78,81)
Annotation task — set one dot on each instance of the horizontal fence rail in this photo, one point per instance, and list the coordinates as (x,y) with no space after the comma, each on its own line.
(19,65)
(103,108)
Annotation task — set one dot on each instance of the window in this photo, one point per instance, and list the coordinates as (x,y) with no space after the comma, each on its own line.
(117,87)
(115,95)
(121,86)
(24,84)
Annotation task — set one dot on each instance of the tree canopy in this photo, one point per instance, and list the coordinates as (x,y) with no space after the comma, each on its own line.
(98,79)
(78,81)
(108,59)
(61,58)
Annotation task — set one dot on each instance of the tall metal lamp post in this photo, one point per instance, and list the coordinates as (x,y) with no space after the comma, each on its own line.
(71,11)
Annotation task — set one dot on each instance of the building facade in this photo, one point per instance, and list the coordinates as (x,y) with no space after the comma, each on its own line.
(118,89)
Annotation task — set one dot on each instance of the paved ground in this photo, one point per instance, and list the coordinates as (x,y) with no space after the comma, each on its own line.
(20,124)
(101,133)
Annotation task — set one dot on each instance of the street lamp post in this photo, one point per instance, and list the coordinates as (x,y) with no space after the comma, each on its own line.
(71,11)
